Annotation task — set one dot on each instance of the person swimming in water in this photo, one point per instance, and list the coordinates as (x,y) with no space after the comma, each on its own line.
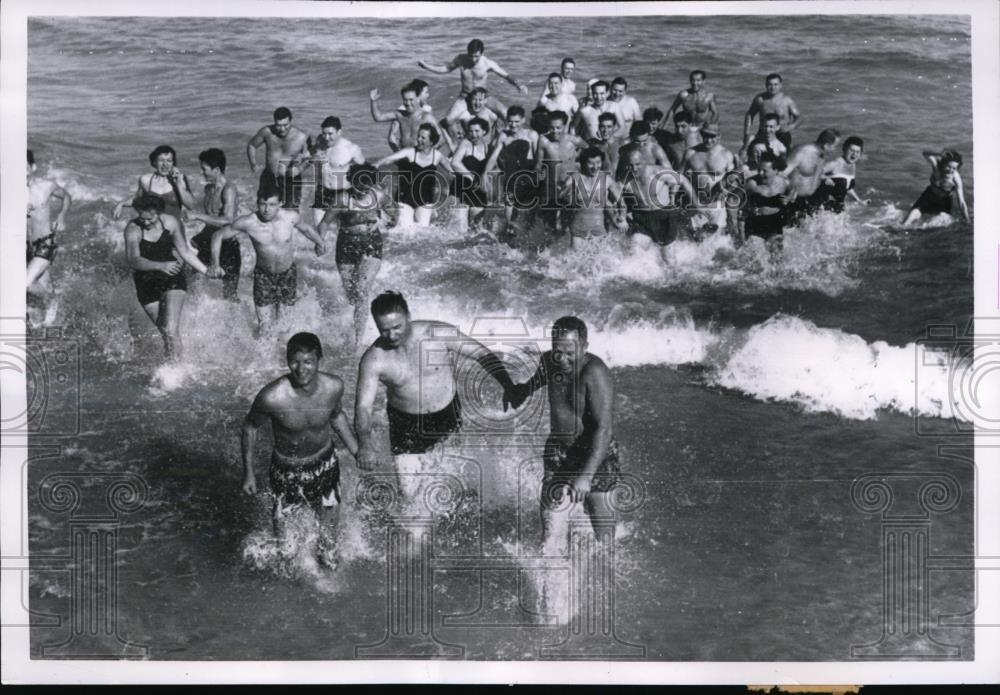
(944,194)
(166,182)
(839,177)
(356,216)
(304,409)
(41,241)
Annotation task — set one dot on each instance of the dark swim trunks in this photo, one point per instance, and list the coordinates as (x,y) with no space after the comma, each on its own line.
(801,208)
(417,433)
(662,226)
(288,186)
(274,288)
(563,462)
(150,285)
(314,480)
(765,226)
(41,248)
(351,247)
(230,259)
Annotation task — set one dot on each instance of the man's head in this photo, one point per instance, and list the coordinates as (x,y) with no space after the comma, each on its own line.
(771,124)
(827,140)
(515,117)
(268,202)
(569,343)
(599,92)
(475,49)
(771,164)
(330,128)
(619,86)
(362,177)
(590,160)
(631,156)
(149,207)
(392,318)
(213,163)
(163,159)
(652,116)
(697,79)
(682,122)
(476,99)
(422,89)
(554,83)
(409,96)
(639,132)
(303,355)
(282,121)
(853,148)
(567,67)
(557,122)
(607,124)
(772,83)
(709,134)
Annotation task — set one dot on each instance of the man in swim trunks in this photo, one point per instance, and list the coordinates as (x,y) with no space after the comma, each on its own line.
(581,457)
(272,232)
(557,153)
(594,197)
(285,147)
(41,244)
(606,140)
(585,122)
(627,105)
(805,172)
(708,166)
(515,152)
(652,195)
(474,67)
(765,142)
(410,117)
(335,154)
(416,361)
(423,91)
(765,216)
(304,409)
(677,143)
(772,100)
(220,206)
(696,101)
(478,104)
(639,134)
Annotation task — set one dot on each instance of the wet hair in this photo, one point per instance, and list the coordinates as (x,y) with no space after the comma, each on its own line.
(145,201)
(772,117)
(389,302)
(827,137)
(363,174)
(589,153)
(282,112)
(772,76)
(515,110)
(419,84)
(949,156)
(569,324)
(639,128)
(554,74)
(268,191)
(851,141)
(566,60)
(214,157)
(600,83)
(481,122)
(162,149)
(304,342)
(435,136)
(681,117)
(703,74)
(620,80)
(475,46)
(777,161)
(608,116)
(558,116)
(331,122)
(652,114)
(31,157)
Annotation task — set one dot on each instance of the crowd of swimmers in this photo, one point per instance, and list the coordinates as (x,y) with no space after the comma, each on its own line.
(578,167)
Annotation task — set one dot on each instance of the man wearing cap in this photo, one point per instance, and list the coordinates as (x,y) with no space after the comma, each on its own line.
(707,166)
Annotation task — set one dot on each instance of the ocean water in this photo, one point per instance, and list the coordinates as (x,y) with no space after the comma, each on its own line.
(751,389)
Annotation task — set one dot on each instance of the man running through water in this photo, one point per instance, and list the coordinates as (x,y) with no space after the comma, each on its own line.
(220,206)
(423,92)
(585,122)
(652,195)
(417,363)
(41,242)
(514,153)
(304,409)
(765,141)
(627,105)
(772,100)
(581,457)
(696,101)
(285,147)
(606,140)
(474,67)
(709,165)
(557,152)
(335,154)
(805,172)
(272,232)
(677,143)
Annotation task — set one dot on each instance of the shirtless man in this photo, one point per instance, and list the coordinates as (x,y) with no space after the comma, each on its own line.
(304,409)
(423,91)
(285,148)
(410,117)
(708,166)
(627,104)
(684,137)
(41,244)
(272,232)
(556,160)
(651,194)
(515,153)
(652,153)
(595,198)
(696,101)
(766,141)
(220,207)
(581,456)
(805,172)
(334,154)
(556,99)
(474,67)
(772,100)
(566,70)
(478,104)
(606,140)
(416,361)
(585,122)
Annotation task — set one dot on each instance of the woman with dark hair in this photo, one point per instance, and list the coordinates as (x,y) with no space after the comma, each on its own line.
(418,187)
(944,194)
(165,182)
(157,250)
(355,216)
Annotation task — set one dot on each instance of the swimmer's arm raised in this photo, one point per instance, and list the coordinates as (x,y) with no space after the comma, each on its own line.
(255,419)
(440,69)
(932,157)
(364,401)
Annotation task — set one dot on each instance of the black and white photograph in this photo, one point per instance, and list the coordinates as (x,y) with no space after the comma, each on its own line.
(600,342)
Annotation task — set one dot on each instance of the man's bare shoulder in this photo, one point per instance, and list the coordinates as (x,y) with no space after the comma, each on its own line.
(595,371)
(272,395)
(332,383)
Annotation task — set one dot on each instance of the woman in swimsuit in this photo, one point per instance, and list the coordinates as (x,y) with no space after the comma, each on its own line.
(418,187)
(157,250)
(945,192)
(838,177)
(166,182)
(469,164)
(766,191)
(355,216)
